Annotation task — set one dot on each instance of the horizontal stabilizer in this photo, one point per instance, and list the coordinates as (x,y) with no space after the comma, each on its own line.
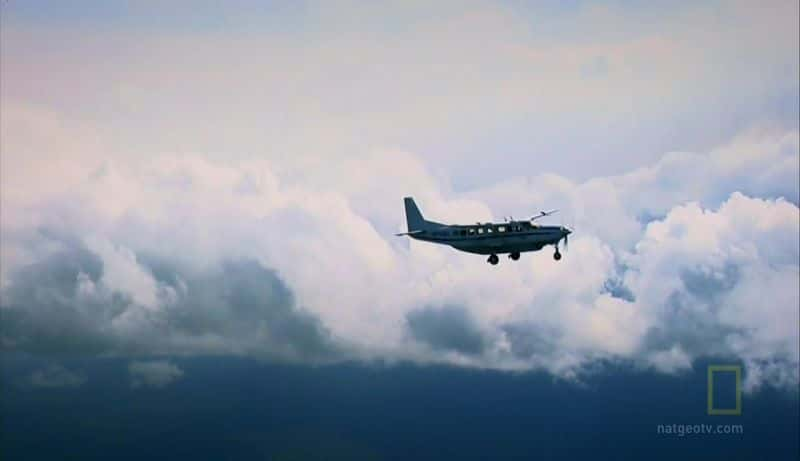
(414,232)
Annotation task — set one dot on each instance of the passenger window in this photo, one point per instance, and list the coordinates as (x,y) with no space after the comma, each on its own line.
(501,229)
(471,231)
(480,230)
(489,230)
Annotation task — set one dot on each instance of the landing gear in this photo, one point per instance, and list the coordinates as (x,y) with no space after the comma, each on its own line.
(557,255)
(493,260)
(514,256)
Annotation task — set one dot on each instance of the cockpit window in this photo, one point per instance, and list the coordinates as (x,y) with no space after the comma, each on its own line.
(489,230)
(471,231)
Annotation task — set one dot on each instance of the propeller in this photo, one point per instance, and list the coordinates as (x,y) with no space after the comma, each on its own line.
(567,230)
(542,214)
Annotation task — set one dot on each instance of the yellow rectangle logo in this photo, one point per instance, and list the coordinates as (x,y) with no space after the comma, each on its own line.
(725,411)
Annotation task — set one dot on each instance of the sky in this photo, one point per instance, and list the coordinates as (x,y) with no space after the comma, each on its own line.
(191,185)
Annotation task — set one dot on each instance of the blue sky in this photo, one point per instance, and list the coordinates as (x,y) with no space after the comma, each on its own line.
(239,409)
(202,183)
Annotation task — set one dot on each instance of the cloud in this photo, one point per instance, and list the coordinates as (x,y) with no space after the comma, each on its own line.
(155,374)
(446,328)
(181,255)
(723,282)
(670,361)
(56,376)
(65,305)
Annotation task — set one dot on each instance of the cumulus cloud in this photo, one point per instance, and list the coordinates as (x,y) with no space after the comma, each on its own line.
(694,255)
(723,282)
(56,376)
(154,374)
(64,305)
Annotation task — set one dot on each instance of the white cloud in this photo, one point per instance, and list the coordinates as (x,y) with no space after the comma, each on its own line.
(670,361)
(154,374)
(181,264)
(123,274)
(56,376)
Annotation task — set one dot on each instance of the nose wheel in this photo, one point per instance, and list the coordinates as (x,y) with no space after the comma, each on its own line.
(493,260)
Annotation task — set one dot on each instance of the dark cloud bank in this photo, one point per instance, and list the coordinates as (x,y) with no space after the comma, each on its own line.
(237,308)
(448,328)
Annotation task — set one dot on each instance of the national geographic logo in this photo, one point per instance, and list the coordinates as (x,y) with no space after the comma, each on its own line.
(737,370)
(714,408)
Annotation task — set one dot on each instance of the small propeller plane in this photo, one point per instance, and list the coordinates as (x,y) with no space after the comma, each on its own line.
(512,237)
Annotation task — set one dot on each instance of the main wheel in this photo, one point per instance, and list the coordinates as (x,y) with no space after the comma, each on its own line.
(514,256)
(493,260)
(557,255)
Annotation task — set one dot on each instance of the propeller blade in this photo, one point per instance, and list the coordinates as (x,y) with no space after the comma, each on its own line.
(542,214)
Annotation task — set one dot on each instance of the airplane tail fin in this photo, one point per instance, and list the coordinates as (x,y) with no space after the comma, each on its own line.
(414,218)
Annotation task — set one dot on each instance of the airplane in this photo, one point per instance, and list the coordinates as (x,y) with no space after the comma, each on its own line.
(512,237)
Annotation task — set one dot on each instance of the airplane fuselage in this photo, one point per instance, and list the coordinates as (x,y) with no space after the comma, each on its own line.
(486,239)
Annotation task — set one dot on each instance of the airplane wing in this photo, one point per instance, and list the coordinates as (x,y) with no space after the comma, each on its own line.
(415,232)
